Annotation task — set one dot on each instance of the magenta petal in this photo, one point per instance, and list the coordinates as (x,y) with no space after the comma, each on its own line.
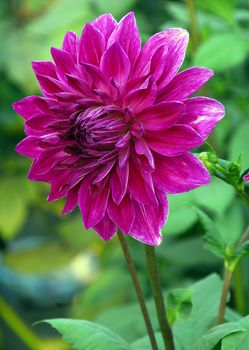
(122,214)
(140,186)
(70,44)
(142,149)
(179,174)
(173,141)
(141,98)
(29,147)
(44,68)
(71,200)
(185,84)
(91,45)
(202,114)
(27,106)
(161,116)
(105,228)
(115,64)
(63,61)
(127,34)
(92,203)
(246,177)
(149,220)
(119,182)
(105,24)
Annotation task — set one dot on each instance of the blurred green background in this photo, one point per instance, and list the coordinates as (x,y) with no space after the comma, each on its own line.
(50,266)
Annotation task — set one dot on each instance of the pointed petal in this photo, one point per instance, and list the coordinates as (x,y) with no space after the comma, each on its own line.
(119,182)
(92,203)
(185,84)
(91,45)
(246,177)
(115,64)
(127,34)
(149,220)
(202,114)
(143,150)
(141,186)
(70,44)
(173,141)
(63,61)
(105,24)
(71,200)
(29,147)
(26,107)
(161,116)
(122,214)
(179,174)
(106,228)
(141,98)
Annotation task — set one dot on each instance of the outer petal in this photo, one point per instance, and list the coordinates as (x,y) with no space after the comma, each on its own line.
(72,200)
(123,214)
(92,203)
(70,44)
(29,147)
(141,98)
(91,45)
(63,61)
(27,106)
(149,220)
(202,114)
(161,116)
(127,34)
(173,141)
(115,64)
(246,177)
(105,24)
(179,174)
(106,228)
(185,84)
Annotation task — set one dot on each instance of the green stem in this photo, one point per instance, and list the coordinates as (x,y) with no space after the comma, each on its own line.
(224,293)
(138,289)
(158,297)
(19,328)
(239,297)
(244,196)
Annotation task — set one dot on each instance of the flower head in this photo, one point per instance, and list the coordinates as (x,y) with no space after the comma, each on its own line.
(114,127)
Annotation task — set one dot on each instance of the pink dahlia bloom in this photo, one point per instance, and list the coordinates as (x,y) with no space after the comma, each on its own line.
(246,177)
(114,127)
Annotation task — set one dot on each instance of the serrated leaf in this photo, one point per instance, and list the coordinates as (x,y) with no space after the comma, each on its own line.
(213,240)
(222,51)
(85,335)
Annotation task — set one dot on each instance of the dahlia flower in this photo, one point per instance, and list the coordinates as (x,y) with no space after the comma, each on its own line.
(114,127)
(246,177)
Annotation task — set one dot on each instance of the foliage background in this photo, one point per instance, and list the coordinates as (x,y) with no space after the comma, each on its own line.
(50,266)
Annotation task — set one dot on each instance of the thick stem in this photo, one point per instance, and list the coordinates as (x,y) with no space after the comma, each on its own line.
(223,298)
(158,297)
(138,289)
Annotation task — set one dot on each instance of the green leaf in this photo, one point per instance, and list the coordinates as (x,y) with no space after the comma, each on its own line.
(216,52)
(179,304)
(238,144)
(85,335)
(212,338)
(221,8)
(144,343)
(205,300)
(182,214)
(216,197)
(213,240)
(238,341)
